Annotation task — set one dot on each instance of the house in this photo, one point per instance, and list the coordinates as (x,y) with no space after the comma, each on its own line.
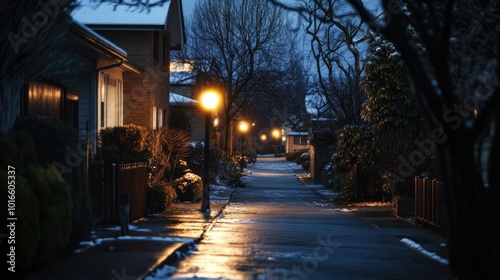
(147,35)
(186,113)
(296,141)
(87,98)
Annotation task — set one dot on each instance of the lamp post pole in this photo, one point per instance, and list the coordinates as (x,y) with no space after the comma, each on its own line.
(209,100)
(276,135)
(206,166)
(243,127)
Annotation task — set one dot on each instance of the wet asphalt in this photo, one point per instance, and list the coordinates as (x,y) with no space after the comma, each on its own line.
(279,228)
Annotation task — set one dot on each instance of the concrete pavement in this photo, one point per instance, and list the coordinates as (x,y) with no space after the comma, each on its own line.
(277,227)
(151,242)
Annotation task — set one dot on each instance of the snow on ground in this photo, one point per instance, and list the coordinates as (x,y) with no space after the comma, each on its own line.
(420,249)
(130,227)
(99,241)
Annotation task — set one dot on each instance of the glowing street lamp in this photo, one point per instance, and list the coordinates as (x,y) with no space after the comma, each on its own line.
(209,100)
(243,127)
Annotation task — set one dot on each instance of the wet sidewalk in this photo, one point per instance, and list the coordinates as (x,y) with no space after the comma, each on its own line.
(151,243)
(262,231)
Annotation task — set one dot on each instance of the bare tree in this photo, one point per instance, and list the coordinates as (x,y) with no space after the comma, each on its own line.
(454,65)
(240,44)
(337,43)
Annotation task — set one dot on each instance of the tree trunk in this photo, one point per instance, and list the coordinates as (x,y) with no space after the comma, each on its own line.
(473,219)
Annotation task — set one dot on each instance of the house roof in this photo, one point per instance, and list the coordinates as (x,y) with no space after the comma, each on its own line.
(177,99)
(103,45)
(296,133)
(98,38)
(98,13)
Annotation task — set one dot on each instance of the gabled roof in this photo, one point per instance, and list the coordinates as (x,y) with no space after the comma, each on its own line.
(105,14)
(297,133)
(103,45)
(100,15)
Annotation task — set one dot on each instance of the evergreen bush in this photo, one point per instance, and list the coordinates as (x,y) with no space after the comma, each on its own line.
(56,143)
(189,187)
(354,163)
(55,205)
(125,144)
(19,152)
(160,196)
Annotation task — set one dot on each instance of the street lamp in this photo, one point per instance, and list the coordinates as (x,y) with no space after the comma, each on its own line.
(242,127)
(276,135)
(209,101)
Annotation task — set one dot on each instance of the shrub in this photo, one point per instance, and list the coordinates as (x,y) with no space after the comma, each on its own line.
(189,187)
(19,152)
(124,144)
(53,139)
(224,169)
(159,197)
(304,160)
(293,156)
(168,147)
(27,225)
(54,200)
(56,143)
(354,163)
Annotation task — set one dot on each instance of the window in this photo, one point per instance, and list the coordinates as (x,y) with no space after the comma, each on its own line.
(164,121)
(155,121)
(110,102)
(300,140)
(45,99)
(159,117)
(71,108)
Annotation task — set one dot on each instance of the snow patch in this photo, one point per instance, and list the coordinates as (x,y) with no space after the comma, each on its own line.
(421,250)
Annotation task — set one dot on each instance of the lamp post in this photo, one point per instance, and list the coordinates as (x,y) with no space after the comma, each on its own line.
(276,135)
(209,101)
(243,128)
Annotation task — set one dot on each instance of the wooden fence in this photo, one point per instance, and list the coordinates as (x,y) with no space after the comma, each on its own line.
(429,206)
(120,184)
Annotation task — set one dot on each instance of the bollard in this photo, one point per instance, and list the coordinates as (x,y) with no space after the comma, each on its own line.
(124,213)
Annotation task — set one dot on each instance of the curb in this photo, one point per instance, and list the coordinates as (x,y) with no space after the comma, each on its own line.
(181,251)
(173,257)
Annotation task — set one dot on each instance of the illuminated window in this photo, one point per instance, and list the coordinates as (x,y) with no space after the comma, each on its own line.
(45,99)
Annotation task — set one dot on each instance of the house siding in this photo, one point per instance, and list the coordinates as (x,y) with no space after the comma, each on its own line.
(150,88)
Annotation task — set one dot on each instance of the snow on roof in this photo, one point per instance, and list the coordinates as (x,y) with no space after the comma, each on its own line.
(296,133)
(93,12)
(99,37)
(177,99)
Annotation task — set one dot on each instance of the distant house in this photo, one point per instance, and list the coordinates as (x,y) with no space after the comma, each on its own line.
(75,98)
(182,79)
(147,35)
(296,142)
(187,113)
